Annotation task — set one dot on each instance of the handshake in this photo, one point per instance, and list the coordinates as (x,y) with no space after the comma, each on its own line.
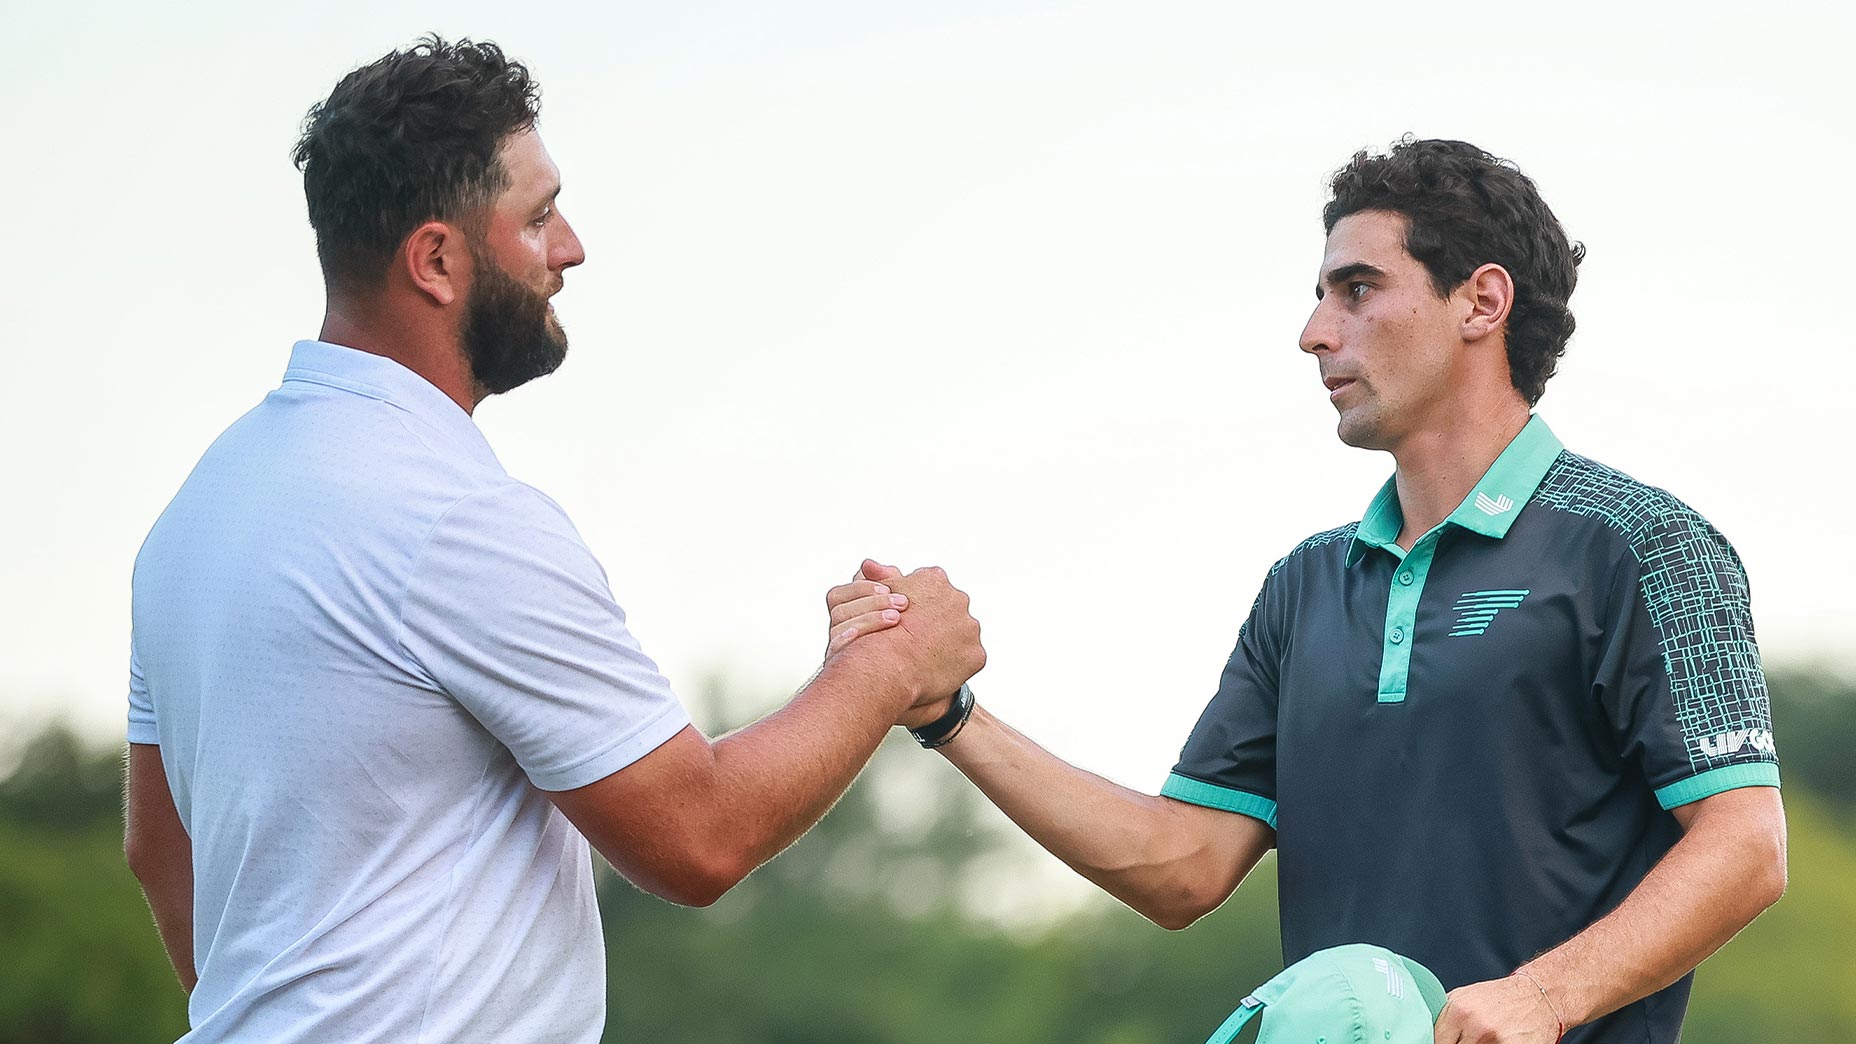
(912,627)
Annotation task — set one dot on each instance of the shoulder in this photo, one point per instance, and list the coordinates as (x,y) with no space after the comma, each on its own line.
(1647,518)
(1327,543)
(1325,552)
(506,509)
(1680,559)
(500,548)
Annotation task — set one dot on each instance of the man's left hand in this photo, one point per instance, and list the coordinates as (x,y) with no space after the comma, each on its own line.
(1500,1011)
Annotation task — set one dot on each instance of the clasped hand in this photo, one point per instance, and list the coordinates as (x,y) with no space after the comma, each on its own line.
(1501,1011)
(919,622)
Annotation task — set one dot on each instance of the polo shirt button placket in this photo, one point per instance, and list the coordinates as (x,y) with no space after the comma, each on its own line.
(1406,589)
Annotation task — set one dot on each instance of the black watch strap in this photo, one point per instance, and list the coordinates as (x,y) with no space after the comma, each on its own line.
(944,728)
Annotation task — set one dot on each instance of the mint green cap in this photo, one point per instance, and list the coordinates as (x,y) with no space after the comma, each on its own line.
(1353,994)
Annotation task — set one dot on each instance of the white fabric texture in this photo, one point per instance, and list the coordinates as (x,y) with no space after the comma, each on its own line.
(365,651)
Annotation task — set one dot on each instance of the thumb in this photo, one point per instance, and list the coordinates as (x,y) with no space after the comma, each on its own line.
(875,570)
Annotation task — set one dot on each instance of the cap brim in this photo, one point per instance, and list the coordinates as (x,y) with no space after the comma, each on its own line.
(1428,986)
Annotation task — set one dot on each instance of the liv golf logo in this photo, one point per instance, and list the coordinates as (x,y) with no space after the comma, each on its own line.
(1725,744)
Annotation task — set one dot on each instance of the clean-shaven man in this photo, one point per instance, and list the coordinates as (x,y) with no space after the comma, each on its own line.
(1511,723)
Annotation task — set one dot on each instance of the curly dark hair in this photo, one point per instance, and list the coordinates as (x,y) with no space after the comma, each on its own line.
(409,138)
(1465,208)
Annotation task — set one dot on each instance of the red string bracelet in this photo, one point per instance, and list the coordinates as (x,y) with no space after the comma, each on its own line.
(1550,1005)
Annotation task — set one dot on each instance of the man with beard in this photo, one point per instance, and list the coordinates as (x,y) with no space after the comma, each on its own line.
(376,684)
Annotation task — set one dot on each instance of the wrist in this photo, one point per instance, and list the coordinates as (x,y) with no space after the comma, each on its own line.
(942,730)
(1553,1009)
(868,671)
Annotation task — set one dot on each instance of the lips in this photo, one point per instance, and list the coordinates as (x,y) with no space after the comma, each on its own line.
(1336,385)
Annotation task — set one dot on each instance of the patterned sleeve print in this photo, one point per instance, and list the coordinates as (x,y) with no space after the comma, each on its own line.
(1693,589)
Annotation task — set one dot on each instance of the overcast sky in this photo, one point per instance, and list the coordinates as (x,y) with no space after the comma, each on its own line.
(1013,288)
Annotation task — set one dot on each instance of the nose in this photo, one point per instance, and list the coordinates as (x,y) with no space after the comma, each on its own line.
(1318,334)
(568,252)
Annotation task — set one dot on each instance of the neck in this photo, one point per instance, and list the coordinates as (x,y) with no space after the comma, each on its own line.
(413,341)
(1437,468)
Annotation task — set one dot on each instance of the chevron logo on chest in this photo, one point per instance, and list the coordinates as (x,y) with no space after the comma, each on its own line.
(1476,610)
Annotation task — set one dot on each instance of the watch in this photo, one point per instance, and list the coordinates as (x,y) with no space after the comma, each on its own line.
(944,728)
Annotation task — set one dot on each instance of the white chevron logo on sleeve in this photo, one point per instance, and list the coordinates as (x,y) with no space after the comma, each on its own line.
(1494,507)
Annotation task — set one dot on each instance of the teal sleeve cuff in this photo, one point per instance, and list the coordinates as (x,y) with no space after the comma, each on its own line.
(1716,781)
(1198,792)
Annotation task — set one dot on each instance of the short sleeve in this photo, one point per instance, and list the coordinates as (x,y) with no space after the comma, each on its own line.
(508,612)
(142,725)
(1680,678)
(1229,760)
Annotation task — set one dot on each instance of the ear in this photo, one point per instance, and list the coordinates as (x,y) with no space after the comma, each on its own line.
(1489,294)
(433,257)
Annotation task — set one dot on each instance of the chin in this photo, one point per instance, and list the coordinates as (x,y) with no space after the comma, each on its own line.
(1360,432)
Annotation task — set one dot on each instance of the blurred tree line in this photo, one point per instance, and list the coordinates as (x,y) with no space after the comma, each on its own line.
(893,922)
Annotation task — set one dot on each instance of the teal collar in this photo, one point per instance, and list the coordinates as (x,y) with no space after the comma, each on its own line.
(1489,509)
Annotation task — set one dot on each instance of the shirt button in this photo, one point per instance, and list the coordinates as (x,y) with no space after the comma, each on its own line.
(1397,635)
(1405,578)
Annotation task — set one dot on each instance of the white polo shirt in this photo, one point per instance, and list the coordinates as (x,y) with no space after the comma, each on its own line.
(362,647)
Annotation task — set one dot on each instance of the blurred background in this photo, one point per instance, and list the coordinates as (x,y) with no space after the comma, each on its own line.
(892,922)
(1011,287)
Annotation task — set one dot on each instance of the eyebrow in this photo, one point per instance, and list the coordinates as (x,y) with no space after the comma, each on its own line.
(1347,273)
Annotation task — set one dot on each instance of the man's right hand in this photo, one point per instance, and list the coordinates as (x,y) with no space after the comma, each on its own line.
(692,817)
(935,645)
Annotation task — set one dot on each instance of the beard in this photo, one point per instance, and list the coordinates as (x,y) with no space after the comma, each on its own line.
(509,334)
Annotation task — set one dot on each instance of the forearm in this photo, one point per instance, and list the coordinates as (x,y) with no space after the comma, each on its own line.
(170,899)
(1142,849)
(1725,870)
(774,779)
(160,855)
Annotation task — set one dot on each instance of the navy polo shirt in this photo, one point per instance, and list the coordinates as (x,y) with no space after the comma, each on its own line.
(1469,749)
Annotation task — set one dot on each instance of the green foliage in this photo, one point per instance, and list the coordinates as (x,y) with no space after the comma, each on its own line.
(1814,724)
(79,958)
(60,783)
(866,931)
(1788,977)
